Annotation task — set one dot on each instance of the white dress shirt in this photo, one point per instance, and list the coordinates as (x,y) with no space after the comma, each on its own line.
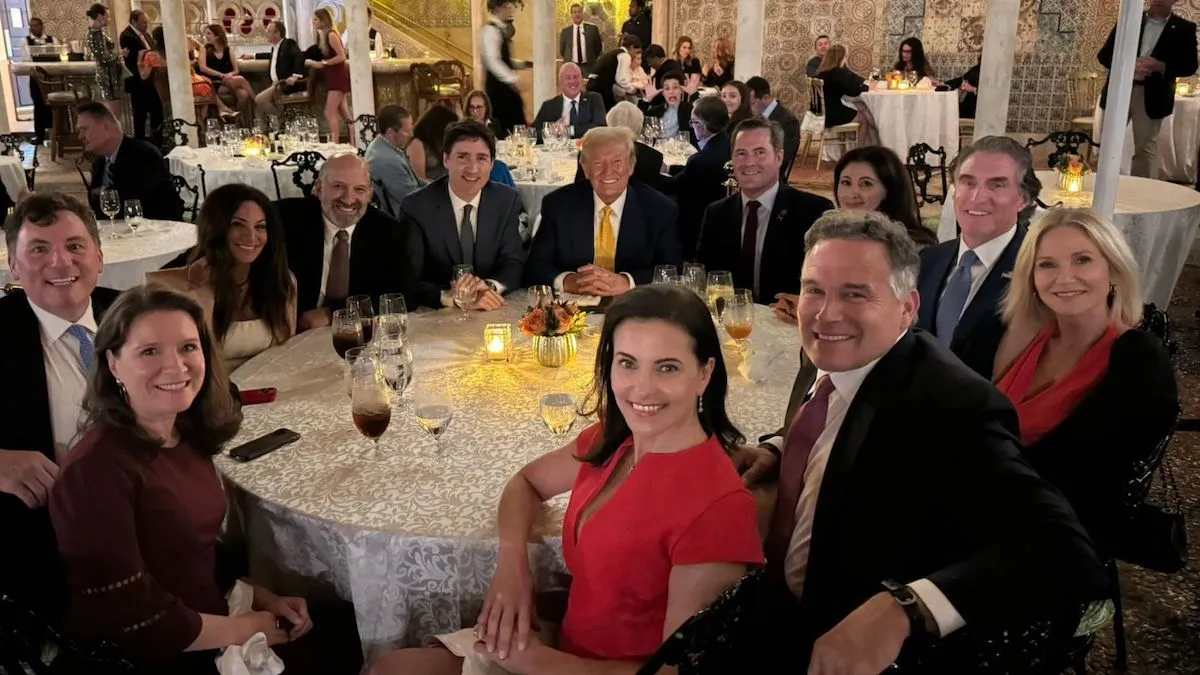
(795,565)
(274,60)
(1151,32)
(493,38)
(66,380)
(618,207)
(457,204)
(330,233)
(624,80)
(578,42)
(988,254)
(670,121)
(766,202)
(766,113)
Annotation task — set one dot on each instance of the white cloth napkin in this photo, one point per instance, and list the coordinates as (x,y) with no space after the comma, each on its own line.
(462,644)
(581,300)
(183,152)
(758,366)
(255,657)
(924,83)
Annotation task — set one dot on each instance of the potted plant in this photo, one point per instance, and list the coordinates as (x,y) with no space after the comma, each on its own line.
(1071,170)
(554,328)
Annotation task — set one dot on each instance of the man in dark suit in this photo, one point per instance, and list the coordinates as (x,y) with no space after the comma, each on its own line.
(963,281)
(893,545)
(1166,51)
(968,82)
(638,25)
(702,180)
(661,68)
(758,233)
(135,42)
(46,350)
(674,109)
(762,102)
(286,69)
(648,168)
(134,168)
(602,237)
(580,43)
(613,68)
(579,109)
(339,245)
(465,219)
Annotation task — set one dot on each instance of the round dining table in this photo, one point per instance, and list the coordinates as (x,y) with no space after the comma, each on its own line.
(221,169)
(1178,143)
(129,255)
(905,118)
(12,175)
(1159,220)
(410,537)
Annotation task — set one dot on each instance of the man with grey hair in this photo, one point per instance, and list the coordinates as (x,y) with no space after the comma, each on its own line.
(339,245)
(876,543)
(575,107)
(702,179)
(963,281)
(132,167)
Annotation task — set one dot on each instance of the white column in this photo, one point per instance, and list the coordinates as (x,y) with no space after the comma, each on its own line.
(210,11)
(362,91)
(118,17)
(178,68)
(660,25)
(477,11)
(545,75)
(995,70)
(304,31)
(748,50)
(1116,112)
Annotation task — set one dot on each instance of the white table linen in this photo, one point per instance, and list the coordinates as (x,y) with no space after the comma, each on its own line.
(1178,142)
(129,256)
(412,540)
(905,118)
(220,169)
(12,174)
(1158,219)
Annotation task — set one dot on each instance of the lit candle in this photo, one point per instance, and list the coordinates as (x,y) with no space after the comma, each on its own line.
(63,56)
(497,341)
(903,84)
(1182,89)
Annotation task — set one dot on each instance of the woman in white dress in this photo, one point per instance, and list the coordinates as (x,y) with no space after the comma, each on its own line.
(239,273)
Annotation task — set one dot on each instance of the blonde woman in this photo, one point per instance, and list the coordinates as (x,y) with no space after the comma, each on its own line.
(720,71)
(693,70)
(337,73)
(1092,392)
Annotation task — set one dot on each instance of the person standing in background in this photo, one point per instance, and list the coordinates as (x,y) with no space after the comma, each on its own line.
(580,43)
(638,24)
(501,83)
(41,112)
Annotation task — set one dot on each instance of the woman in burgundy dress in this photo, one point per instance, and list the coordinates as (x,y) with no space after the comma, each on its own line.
(658,524)
(337,73)
(137,506)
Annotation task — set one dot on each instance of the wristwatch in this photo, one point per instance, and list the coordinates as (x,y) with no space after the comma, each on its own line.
(908,602)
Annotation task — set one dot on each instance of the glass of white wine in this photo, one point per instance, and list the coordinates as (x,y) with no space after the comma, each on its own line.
(738,317)
(558,412)
(133,214)
(719,292)
(434,413)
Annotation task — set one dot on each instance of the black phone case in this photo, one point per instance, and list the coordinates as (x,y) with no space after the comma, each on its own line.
(264,445)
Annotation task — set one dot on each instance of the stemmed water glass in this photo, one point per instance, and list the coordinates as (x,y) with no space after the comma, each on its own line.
(396,360)
(133,214)
(360,305)
(540,296)
(719,291)
(434,412)
(695,279)
(110,203)
(665,274)
(393,303)
(464,293)
(212,132)
(370,403)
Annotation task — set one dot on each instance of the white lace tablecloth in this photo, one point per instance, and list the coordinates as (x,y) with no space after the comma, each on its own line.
(128,256)
(1178,142)
(412,540)
(12,174)
(906,118)
(1159,220)
(222,170)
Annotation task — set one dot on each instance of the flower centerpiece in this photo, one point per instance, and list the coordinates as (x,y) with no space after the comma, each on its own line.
(894,80)
(554,328)
(1071,170)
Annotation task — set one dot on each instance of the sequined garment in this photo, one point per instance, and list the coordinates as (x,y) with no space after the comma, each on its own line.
(109,78)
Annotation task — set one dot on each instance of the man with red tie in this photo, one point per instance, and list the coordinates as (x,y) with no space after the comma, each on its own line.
(905,512)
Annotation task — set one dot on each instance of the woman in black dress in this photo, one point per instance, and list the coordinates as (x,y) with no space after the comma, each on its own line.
(693,70)
(216,62)
(840,81)
(720,71)
(500,80)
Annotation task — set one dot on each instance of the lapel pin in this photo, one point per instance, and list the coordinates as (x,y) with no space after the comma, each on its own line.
(1006,275)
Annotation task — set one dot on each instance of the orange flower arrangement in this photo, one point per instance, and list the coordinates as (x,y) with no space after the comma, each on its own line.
(554,319)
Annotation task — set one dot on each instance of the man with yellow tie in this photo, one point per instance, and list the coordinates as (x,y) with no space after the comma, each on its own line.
(604,236)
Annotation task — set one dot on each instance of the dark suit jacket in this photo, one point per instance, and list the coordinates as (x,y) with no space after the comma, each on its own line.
(791,136)
(978,333)
(590,113)
(129,40)
(840,82)
(381,253)
(289,62)
(959,507)
(701,183)
(1176,48)
(969,100)
(140,172)
(30,568)
(782,251)
(566,240)
(647,166)
(499,254)
(593,45)
(604,76)
(1088,456)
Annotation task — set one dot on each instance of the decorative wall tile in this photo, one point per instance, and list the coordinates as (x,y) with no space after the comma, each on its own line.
(970,37)
(941,34)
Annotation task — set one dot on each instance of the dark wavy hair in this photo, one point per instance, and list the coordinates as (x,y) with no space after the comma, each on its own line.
(270,283)
(919,62)
(678,307)
(214,416)
(431,128)
(899,200)
(743,112)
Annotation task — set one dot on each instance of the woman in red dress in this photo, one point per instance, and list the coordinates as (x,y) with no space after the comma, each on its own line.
(658,524)
(337,73)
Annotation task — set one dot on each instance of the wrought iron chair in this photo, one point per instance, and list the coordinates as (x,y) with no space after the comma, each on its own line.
(368,129)
(1065,143)
(184,189)
(921,172)
(846,134)
(306,163)
(174,133)
(23,640)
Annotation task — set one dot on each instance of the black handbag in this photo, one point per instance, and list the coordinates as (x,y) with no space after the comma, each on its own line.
(1155,536)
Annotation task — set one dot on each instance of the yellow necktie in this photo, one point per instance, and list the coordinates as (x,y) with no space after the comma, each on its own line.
(606,242)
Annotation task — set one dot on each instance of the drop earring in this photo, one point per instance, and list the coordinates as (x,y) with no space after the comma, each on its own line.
(700,404)
(121,388)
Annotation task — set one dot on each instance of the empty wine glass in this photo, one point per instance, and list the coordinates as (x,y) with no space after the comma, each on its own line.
(396,361)
(540,296)
(110,203)
(665,274)
(133,214)
(347,332)
(464,293)
(389,328)
(361,306)
(370,403)
(393,303)
(434,412)
(695,279)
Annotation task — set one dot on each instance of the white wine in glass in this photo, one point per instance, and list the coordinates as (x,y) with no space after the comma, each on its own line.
(719,293)
(558,412)
(434,419)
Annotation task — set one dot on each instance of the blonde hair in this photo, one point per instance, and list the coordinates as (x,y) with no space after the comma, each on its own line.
(626,115)
(1022,305)
(325,18)
(723,50)
(833,58)
(602,137)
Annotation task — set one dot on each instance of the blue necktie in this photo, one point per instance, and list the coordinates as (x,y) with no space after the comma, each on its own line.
(87,349)
(954,299)
(574,115)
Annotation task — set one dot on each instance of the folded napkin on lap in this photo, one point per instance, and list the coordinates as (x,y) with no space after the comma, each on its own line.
(759,365)
(255,657)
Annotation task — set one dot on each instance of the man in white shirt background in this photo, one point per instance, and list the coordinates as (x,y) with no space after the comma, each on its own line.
(580,43)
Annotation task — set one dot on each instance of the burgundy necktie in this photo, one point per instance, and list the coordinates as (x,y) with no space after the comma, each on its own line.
(337,284)
(803,434)
(745,275)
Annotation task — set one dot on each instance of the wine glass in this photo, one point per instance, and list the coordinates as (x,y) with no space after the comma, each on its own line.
(665,274)
(738,317)
(393,303)
(395,359)
(464,294)
(558,410)
(352,356)
(347,332)
(110,203)
(212,132)
(133,214)
(370,403)
(719,291)
(389,328)
(695,279)
(434,412)
(361,306)
(540,296)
